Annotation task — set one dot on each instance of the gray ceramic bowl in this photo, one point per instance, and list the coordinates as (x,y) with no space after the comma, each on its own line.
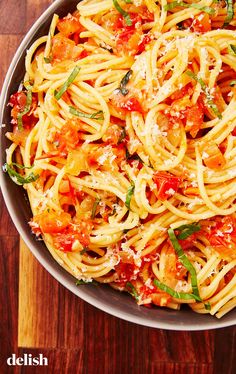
(103,297)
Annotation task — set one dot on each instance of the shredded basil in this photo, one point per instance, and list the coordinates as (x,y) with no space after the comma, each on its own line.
(207,306)
(96,115)
(129,195)
(81,282)
(173,293)
(95,205)
(232,49)
(175,4)
(106,47)
(122,136)
(48,59)
(185,261)
(186,230)
(230,12)
(125,80)
(84,250)
(132,290)
(27,107)
(204,87)
(66,85)
(232,83)
(123,12)
(16,177)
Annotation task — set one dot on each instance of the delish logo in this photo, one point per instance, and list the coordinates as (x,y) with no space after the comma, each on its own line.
(27,360)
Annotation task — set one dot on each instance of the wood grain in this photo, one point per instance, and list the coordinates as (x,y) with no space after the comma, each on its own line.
(73,335)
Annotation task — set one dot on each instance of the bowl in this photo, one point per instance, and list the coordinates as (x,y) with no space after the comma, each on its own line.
(103,297)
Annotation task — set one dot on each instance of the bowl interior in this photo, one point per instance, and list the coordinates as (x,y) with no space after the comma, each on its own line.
(102,297)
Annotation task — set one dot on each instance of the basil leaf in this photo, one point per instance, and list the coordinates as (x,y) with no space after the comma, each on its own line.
(129,195)
(26,109)
(230,12)
(96,115)
(68,82)
(132,290)
(48,59)
(122,136)
(125,80)
(232,83)
(97,201)
(123,13)
(184,261)
(207,306)
(84,250)
(16,177)
(232,49)
(81,282)
(175,4)
(204,87)
(187,230)
(173,293)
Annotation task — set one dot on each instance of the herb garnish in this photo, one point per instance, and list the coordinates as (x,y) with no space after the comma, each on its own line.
(122,136)
(175,4)
(204,87)
(232,49)
(232,83)
(48,59)
(18,178)
(26,108)
(81,282)
(207,306)
(186,230)
(132,290)
(123,12)
(185,261)
(68,82)
(230,12)
(96,115)
(129,195)
(173,293)
(124,81)
(95,205)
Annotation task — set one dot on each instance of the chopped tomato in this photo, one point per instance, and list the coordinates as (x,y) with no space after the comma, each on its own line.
(125,272)
(113,134)
(131,39)
(128,41)
(222,235)
(184,91)
(67,239)
(69,25)
(202,23)
(68,137)
(145,39)
(167,184)
(214,158)
(18,102)
(52,222)
(128,102)
(64,48)
(194,119)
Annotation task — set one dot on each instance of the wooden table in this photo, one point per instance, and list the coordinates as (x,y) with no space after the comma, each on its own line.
(38,315)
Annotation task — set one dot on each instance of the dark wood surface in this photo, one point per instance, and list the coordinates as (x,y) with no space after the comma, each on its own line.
(74,336)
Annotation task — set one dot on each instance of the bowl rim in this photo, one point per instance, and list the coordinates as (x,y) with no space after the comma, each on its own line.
(213,322)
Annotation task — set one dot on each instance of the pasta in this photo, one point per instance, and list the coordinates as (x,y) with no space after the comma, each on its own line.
(124,139)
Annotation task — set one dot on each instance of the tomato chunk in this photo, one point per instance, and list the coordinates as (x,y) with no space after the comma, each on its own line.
(52,222)
(167,184)
(69,25)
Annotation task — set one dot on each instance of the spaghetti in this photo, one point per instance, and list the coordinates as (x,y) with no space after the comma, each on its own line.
(124,138)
